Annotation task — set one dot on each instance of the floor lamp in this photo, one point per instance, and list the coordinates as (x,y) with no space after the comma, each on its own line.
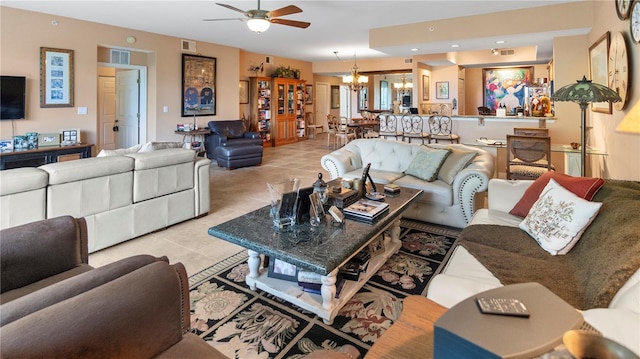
(584,92)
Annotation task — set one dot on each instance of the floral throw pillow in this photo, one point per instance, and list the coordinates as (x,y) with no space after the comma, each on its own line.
(426,164)
(558,218)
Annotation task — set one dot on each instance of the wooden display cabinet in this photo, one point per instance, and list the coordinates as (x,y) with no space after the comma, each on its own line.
(284,123)
(260,103)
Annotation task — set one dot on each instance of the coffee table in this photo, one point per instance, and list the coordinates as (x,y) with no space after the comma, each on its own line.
(323,250)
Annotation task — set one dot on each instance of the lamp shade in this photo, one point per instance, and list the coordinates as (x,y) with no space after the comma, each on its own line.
(584,91)
(631,122)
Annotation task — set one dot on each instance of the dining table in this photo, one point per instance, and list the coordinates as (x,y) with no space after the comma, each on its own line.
(361,125)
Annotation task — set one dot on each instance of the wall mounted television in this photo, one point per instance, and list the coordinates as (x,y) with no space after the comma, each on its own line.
(12,97)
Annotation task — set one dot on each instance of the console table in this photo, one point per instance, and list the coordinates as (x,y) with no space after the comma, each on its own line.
(193,135)
(47,154)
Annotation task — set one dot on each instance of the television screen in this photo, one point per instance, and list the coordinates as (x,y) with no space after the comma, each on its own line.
(12,97)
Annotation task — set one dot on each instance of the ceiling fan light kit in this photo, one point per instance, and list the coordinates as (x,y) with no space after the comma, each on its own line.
(258,25)
(259,20)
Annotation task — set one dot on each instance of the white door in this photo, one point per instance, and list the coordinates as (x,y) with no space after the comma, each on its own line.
(323,90)
(106,113)
(128,108)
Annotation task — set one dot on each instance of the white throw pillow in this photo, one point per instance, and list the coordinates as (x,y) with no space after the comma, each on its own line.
(155,146)
(558,218)
(119,151)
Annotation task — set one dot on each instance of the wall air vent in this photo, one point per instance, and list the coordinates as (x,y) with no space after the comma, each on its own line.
(119,56)
(408,61)
(189,46)
(507,52)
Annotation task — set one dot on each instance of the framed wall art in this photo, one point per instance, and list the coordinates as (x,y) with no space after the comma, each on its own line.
(198,85)
(244,91)
(309,93)
(598,67)
(56,77)
(425,87)
(506,86)
(442,90)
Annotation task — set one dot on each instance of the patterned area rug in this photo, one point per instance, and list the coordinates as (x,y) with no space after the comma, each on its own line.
(242,323)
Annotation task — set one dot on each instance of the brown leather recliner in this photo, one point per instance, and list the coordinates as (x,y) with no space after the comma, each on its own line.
(137,307)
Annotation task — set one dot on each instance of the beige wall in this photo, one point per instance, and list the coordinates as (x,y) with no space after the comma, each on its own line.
(23,33)
(622,161)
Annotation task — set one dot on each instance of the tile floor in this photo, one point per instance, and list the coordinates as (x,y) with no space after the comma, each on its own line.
(233,193)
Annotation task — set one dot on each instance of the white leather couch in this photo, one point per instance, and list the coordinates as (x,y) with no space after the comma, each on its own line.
(120,197)
(451,205)
(464,276)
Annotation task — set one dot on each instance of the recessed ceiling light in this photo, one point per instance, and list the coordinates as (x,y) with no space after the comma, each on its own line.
(455,45)
(500,42)
(415,49)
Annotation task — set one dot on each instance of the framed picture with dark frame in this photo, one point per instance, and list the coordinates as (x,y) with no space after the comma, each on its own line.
(56,77)
(198,85)
(598,69)
(425,87)
(244,91)
(505,85)
(280,269)
(442,90)
(309,93)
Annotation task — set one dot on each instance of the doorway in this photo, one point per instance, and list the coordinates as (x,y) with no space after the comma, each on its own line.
(122,107)
(323,106)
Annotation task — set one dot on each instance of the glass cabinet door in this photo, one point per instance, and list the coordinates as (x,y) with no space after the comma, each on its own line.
(291,90)
(281,102)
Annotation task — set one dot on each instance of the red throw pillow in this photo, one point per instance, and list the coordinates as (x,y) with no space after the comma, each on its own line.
(583,187)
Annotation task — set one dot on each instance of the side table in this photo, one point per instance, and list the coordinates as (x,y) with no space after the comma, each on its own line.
(193,136)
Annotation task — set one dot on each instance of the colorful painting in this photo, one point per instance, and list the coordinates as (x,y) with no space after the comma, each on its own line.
(506,86)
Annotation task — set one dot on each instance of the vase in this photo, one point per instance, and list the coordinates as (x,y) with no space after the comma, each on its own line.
(284,202)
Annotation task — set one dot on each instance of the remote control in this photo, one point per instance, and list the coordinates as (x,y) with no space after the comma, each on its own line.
(502,306)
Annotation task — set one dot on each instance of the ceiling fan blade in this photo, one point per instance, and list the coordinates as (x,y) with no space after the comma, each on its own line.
(231,8)
(287,10)
(300,24)
(233,18)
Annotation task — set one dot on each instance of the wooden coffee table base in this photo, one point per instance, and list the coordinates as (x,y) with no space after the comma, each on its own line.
(411,336)
(326,306)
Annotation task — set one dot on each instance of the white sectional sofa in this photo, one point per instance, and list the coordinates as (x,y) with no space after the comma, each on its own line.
(121,197)
(449,204)
(603,268)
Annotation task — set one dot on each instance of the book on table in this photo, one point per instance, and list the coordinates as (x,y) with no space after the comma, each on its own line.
(366,210)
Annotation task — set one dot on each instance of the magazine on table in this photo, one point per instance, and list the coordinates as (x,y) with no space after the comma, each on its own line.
(366,208)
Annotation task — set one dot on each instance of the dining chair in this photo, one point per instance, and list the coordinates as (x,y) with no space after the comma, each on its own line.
(440,128)
(413,127)
(344,134)
(528,157)
(331,124)
(522,131)
(389,126)
(311,125)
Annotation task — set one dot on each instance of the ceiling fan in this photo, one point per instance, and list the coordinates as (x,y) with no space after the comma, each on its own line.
(259,20)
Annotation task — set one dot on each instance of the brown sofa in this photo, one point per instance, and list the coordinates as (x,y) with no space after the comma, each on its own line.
(60,307)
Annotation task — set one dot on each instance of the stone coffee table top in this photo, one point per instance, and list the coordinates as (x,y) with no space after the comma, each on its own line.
(319,249)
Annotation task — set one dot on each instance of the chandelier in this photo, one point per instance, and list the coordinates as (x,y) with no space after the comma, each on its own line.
(403,87)
(355,81)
